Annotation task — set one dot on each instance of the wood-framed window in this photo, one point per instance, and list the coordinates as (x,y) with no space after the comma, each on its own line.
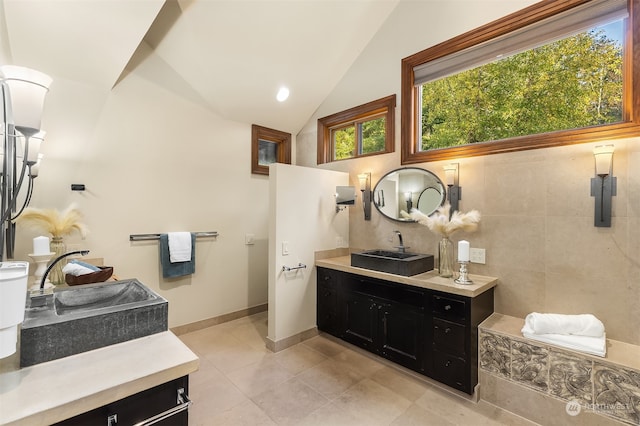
(268,146)
(466,45)
(361,131)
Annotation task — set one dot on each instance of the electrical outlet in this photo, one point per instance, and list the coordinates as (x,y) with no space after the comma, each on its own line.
(249,239)
(477,255)
(339,242)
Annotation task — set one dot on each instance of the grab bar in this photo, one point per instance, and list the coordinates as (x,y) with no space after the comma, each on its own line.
(287,268)
(183,402)
(146,237)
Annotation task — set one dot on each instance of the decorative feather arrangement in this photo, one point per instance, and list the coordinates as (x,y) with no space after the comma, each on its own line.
(56,223)
(440,223)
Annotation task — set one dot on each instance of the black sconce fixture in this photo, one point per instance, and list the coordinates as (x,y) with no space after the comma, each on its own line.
(408,196)
(454,192)
(603,187)
(365,188)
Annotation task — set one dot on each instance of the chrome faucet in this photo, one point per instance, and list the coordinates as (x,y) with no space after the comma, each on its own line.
(401,248)
(56,260)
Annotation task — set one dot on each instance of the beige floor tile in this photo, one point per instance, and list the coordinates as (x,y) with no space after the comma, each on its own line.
(256,378)
(330,378)
(401,383)
(418,416)
(299,358)
(372,403)
(232,354)
(324,345)
(289,403)
(455,409)
(245,414)
(330,414)
(253,333)
(361,364)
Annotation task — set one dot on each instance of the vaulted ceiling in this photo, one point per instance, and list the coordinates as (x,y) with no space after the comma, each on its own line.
(230,56)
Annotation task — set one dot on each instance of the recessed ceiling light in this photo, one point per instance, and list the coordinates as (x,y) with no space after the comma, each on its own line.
(283,94)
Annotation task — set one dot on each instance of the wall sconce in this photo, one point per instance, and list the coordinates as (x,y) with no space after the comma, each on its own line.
(604,186)
(365,188)
(23,93)
(454,192)
(408,198)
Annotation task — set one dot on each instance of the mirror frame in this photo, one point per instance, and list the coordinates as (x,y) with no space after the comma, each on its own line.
(375,195)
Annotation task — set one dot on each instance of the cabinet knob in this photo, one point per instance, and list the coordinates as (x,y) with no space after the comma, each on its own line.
(447,364)
(447,330)
(326,278)
(448,307)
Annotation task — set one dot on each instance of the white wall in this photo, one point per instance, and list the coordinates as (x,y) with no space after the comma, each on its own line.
(153,162)
(302,216)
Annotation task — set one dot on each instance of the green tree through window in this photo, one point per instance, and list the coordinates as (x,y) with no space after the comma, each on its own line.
(572,83)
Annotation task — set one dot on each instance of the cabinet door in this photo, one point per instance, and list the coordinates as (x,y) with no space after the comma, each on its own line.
(360,320)
(401,334)
(327,302)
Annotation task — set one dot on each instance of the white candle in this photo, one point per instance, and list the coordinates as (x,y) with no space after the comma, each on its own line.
(41,246)
(463,251)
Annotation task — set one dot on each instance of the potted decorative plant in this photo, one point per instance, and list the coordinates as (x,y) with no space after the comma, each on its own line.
(445,224)
(58,225)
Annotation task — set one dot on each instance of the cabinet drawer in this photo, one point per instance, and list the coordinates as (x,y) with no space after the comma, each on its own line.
(449,337)
(451,309)
(451,370)
(327,278)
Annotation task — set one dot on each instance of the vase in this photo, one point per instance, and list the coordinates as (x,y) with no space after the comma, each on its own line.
(445,258)
(58,247)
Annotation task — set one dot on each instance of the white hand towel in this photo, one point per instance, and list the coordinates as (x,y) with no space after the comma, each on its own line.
(179,246)
(587,344)
(578,325)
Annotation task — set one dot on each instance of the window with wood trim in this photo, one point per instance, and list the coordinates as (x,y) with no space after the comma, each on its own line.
(268,146)
(357,132)
(551,30)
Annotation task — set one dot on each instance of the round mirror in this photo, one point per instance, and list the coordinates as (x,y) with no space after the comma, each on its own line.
(410,187)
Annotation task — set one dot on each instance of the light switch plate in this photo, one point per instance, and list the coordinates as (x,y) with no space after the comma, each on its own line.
(477,255)
(285,248)
(249,239)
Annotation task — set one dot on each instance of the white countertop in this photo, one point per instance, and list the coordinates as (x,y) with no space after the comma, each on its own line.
(429,280)
(57,390)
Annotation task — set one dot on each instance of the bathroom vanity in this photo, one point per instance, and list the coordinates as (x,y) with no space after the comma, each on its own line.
(424,322)
(100,382)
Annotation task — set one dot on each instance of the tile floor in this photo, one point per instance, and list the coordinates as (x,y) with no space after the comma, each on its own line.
(317,382)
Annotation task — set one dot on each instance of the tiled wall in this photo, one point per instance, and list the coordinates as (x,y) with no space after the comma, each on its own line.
(605,388)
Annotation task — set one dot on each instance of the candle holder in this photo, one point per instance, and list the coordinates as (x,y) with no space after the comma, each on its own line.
(41,266)
(464,275)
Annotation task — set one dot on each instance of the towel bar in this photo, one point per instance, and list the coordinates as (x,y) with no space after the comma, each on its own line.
(146,237)
(300,266)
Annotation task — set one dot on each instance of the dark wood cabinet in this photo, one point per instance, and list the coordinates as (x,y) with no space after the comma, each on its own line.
(165,404)
(431,332)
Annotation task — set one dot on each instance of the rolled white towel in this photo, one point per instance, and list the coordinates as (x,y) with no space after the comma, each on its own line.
(587,344)
(577,325)
(76,269)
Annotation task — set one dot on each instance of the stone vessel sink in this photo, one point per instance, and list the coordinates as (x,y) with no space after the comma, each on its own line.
(393,262)
(79,319)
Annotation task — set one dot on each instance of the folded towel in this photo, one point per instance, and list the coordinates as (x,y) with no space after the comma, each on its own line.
(94,268)
(578,325)
(587,344)
(179,246)
(176,269)
(75,269)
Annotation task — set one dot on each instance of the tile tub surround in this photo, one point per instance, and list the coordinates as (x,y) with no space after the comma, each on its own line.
(512,367)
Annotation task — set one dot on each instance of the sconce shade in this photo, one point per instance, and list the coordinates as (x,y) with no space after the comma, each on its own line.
(27,90)
(362,178)
(450,174)
(34,146)
(603,155)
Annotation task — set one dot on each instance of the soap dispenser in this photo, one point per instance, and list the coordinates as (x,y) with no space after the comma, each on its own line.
(13,296)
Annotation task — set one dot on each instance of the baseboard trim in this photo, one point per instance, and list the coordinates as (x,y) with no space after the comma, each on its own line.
(291,340)
(209,322)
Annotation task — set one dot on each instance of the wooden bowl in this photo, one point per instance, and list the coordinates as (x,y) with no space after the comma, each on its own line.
(103,274)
